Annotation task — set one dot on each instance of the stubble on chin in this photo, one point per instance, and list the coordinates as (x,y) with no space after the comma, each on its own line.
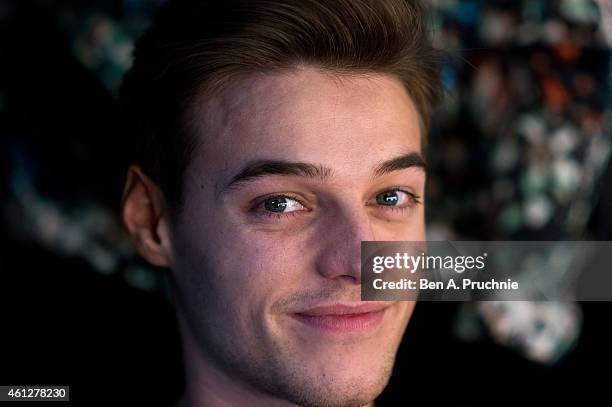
(287,373)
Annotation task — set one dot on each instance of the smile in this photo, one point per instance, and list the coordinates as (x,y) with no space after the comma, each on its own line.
(342,318)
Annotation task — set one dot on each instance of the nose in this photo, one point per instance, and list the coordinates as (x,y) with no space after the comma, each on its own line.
(340,243)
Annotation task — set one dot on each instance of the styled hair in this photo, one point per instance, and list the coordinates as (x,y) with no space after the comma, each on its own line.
(194,49)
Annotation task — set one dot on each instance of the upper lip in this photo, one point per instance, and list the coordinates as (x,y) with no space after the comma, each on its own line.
(345,309)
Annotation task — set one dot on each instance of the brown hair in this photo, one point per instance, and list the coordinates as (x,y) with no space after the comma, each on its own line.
(195,48)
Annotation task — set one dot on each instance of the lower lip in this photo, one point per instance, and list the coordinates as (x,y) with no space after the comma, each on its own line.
(349,323)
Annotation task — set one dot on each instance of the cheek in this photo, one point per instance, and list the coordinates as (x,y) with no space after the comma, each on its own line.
(234,254)
(417,229)
(248,269)
(224,287)
(250,275)
(411,230)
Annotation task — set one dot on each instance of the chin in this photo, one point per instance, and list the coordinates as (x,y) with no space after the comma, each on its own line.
(351,378)
(339,390)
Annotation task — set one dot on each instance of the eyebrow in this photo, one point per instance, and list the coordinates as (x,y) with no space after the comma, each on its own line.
(262,168)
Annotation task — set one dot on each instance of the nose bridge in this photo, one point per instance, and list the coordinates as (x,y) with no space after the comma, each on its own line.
(340,256)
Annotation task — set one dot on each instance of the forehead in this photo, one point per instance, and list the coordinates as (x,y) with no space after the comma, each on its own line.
(306,114)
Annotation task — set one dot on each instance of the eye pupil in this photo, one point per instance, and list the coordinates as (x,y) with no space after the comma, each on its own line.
(387,198)
(276,204)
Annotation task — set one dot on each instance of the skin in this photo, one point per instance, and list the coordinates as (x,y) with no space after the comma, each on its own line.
(239,276)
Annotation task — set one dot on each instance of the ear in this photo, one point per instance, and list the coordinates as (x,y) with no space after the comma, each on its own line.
(145,218)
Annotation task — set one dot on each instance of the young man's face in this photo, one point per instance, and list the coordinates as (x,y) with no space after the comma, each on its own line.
(288,178)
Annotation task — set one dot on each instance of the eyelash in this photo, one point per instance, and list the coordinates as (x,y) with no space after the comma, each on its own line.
(415,200)
(277,215)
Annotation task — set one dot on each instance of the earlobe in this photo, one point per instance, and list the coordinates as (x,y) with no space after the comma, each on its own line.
(143,211)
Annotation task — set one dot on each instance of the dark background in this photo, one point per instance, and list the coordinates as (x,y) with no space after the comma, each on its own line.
(78,307)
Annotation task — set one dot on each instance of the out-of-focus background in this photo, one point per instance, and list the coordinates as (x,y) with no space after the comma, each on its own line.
(519,150)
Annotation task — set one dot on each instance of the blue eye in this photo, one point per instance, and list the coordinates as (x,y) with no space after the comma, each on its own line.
(396,197)
(388,198)
(278,206)
(284,206)
(281,204)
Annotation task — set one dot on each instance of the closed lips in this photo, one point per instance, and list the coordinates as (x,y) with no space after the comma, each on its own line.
(344,310)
